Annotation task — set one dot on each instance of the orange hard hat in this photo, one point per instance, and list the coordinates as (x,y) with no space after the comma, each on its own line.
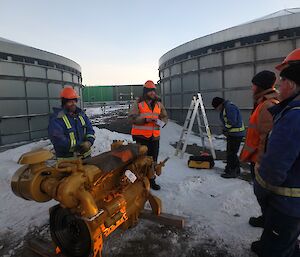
(69,93)
(291,59)
(149,84)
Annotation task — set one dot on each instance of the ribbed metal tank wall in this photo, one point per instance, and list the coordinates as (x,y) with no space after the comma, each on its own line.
(224,69)
(30,83)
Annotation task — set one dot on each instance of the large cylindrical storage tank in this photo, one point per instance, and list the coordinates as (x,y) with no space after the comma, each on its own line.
(30,82)
(223,64)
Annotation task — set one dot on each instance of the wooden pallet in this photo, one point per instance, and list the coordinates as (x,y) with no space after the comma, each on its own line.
(164,219)
(39,248)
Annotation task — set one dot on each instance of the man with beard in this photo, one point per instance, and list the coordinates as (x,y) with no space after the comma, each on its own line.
(147,116)
(70,130)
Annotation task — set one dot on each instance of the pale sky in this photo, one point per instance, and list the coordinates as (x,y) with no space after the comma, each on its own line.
(120,41)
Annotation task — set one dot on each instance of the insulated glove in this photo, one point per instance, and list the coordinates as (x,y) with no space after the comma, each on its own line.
(85,146)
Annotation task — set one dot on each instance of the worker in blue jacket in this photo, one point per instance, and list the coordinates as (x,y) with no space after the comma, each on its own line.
(70,130)
(234,130)
(277,180)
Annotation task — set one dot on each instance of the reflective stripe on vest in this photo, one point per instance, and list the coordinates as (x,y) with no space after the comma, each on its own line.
(73,141)
(235,130)
(82,123)
(296,108)
(67,122)
(229,127)
(148,129)
(82,120)
(250,152)
(283,191)
(88,153)
(145,127)
(156,115)
(90,135)
(249,148)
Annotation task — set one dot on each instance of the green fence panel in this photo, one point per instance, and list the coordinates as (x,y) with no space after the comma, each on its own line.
(112,93)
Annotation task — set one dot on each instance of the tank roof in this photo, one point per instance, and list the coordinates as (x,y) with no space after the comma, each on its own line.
(281,20)
(12,47)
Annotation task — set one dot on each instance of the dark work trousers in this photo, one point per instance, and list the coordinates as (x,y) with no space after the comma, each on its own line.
(263,203)
(279,238)
(252,170)
(233,146)
(153,146)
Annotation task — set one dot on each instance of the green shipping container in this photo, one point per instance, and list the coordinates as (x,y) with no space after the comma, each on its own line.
(98,94)
(112,93)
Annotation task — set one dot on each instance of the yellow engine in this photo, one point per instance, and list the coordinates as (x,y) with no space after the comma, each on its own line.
(95,196)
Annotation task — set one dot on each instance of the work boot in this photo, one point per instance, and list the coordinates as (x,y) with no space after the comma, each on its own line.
(256,247)
(153,184)
(230,174)
(226,170)
(257,222)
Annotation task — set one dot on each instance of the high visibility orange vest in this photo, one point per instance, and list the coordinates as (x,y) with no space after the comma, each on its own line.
(148,129)
(250,149)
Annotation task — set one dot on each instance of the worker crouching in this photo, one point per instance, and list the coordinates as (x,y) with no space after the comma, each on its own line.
(147,116)
(277,180)
(70,130)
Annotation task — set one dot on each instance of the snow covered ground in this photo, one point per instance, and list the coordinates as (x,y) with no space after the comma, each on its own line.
(214,208)
(96,111)
(99,115)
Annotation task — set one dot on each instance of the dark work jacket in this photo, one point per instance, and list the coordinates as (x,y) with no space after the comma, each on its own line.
(234,118)
(280,165)
(59,134)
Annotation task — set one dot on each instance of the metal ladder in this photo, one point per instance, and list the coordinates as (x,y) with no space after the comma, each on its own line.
(192,114)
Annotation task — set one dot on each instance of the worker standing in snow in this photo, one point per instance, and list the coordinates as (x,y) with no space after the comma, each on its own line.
(70,130)
(277,180)
(147,116)
(234,130)
(260,124)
